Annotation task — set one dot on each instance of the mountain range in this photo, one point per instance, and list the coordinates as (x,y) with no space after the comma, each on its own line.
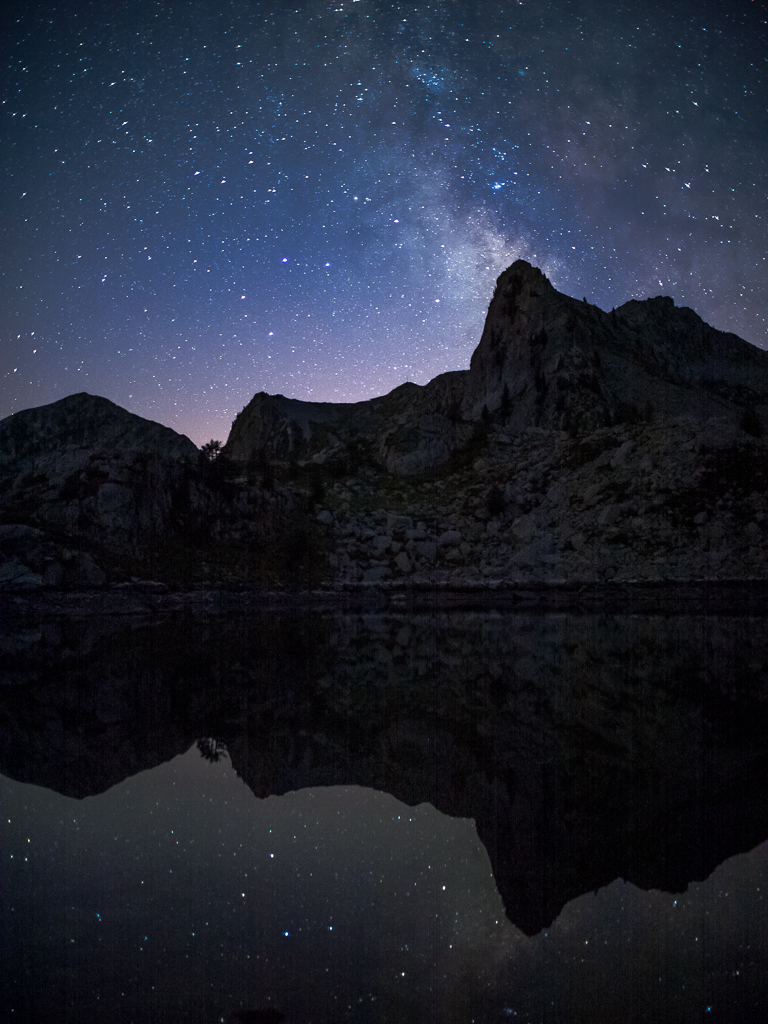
(580,446)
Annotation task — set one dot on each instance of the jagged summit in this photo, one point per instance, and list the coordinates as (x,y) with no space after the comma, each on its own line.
(564,364)
(544,360)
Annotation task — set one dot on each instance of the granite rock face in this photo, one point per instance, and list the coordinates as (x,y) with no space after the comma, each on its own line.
(579,446)
(548,360)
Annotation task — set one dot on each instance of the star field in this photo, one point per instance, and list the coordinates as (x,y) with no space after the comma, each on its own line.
(179,893)
(201,201)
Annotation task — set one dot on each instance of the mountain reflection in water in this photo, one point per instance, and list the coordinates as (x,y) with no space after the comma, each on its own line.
(570,755)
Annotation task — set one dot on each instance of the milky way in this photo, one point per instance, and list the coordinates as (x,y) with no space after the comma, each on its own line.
(205,200)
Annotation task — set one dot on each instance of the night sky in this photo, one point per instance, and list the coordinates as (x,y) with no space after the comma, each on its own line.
(203,200)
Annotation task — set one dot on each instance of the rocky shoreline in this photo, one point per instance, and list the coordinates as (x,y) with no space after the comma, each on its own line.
(148,599)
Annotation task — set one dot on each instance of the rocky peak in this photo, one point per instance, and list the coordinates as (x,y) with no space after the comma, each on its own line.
(544,360)
(552,361)
(87,421)
(86,469)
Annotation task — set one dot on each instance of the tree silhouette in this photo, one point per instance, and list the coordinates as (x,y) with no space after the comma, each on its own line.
(212,450)
(211,749)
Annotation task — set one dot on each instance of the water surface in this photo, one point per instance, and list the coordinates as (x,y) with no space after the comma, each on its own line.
(402,817)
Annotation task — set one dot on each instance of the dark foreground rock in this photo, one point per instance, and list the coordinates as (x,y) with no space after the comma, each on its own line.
(92,495)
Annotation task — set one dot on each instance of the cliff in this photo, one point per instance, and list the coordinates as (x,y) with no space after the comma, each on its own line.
(567,365)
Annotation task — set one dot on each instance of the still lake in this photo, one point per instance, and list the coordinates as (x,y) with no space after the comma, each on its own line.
(422,816)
